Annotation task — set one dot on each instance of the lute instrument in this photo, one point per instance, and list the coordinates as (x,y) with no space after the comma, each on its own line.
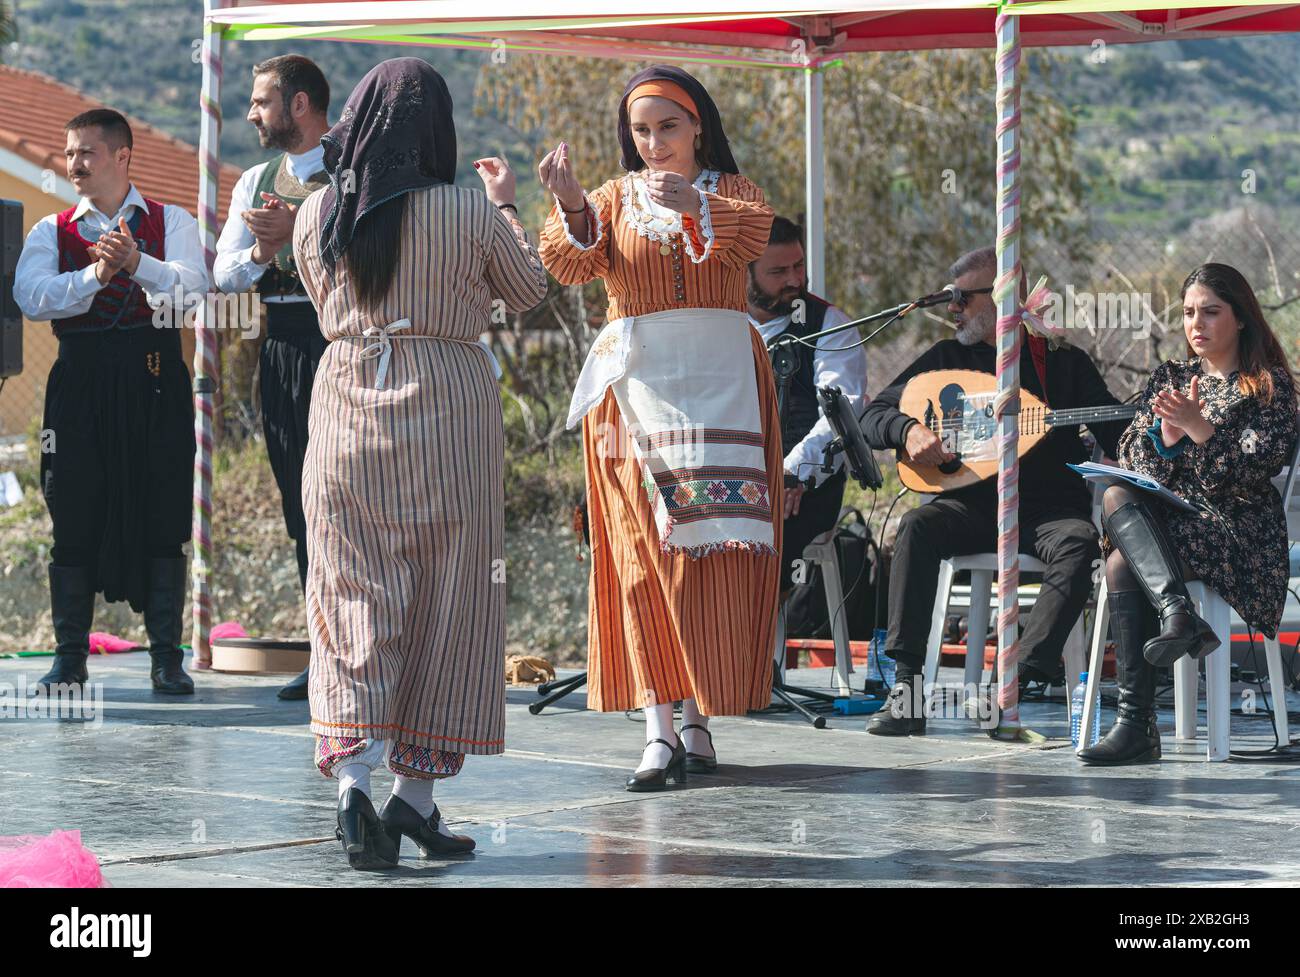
(957,405)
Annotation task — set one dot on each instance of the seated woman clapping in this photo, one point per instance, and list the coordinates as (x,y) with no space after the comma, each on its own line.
(1215,428)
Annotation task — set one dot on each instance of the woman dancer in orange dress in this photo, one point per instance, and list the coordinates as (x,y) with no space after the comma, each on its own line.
(680,424)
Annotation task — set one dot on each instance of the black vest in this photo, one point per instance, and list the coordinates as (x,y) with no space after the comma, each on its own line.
(802,409)
(281,278)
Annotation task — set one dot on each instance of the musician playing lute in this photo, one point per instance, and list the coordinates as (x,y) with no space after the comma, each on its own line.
(1055,504)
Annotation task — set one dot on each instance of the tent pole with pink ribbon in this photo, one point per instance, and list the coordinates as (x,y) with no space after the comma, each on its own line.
(750,34)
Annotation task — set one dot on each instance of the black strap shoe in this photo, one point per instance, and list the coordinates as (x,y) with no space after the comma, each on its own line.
(903,713)
(366,843)
(656,778)
(163,621)
(698,762)
(399,818)
(297,689)
(72,608)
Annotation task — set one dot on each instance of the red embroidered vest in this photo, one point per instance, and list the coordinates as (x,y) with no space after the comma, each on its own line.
(121,303)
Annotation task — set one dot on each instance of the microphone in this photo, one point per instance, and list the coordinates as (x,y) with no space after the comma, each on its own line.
(949,293)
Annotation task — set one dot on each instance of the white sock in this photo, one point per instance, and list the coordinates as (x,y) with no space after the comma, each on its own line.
(351,775)
(658,725)
(355,770)
(417,793)
(695,739)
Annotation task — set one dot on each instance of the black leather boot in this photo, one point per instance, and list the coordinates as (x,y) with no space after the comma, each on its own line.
(72,608)
(1134,738)
(1150,556)
(163,621)
(903,713)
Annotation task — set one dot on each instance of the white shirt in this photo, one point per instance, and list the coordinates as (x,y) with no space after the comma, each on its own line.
(43,292)
(235,270)
(833,366)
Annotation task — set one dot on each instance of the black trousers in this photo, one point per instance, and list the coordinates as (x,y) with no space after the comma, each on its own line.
(117,455)
(287,364)
(818,510)
(1066,542)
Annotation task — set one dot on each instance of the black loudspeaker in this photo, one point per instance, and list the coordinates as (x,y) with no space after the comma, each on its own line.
(11,318)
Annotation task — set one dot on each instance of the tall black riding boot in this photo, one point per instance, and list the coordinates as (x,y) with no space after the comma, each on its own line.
(903,713)
(163,620)
(1134,738)
(72,608)
(1134,528)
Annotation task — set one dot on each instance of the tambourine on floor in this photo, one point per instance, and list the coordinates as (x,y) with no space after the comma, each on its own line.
(260,656)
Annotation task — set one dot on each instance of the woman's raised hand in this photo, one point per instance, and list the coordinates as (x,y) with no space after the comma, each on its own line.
(674,191)
(1181,414)
(498,179)
(556,174)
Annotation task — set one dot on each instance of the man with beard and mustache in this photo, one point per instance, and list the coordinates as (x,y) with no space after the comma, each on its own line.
(117,445)
(1055,504)
(288,108)
(780,304)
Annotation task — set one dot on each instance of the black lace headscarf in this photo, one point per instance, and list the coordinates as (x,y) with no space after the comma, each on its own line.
(396,135)
(714,152)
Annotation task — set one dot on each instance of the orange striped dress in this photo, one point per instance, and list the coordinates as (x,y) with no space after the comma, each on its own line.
(664,626)
(403,491)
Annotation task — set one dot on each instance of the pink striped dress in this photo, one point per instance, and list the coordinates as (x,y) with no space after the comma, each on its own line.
(403,490)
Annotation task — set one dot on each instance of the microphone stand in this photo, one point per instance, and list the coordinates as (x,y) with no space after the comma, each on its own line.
(785,364)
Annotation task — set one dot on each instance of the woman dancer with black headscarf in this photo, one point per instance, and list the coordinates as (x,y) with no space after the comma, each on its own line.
(402,484)
(680,424)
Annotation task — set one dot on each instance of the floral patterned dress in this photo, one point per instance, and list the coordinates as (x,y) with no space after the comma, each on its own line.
(1236,541)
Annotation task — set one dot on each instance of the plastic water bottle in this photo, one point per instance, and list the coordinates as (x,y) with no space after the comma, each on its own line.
(1076,712)
(879,665)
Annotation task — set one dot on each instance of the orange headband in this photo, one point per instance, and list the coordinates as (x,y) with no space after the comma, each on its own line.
(664,89)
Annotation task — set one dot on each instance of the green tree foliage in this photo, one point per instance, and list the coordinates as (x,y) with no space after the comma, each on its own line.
(909,151)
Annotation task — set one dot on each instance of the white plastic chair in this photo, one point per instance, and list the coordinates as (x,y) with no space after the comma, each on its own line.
(983,568)
(822,552)
(1218,664)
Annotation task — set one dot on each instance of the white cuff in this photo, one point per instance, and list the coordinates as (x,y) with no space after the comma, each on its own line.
(246,257)
(564,221)
(149,273)
(85,284)
(705,225)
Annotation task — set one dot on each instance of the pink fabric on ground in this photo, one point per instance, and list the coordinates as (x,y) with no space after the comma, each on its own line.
(102,643)
(53,861)
(227,629)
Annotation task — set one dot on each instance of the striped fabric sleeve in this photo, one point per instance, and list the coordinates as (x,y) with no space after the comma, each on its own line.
(734,229)
(569,262)
(514,270)
(306,248)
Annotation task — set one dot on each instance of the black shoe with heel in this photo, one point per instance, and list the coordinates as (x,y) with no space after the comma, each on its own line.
(656,778)
(399,818)
(698,762)
(365,841)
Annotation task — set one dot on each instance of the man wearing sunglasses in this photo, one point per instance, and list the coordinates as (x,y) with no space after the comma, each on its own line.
(1055,504)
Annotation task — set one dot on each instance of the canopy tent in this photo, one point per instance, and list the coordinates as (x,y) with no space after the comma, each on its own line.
(774,34)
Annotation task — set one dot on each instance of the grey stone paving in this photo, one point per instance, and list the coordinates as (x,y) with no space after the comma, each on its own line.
(220,791)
